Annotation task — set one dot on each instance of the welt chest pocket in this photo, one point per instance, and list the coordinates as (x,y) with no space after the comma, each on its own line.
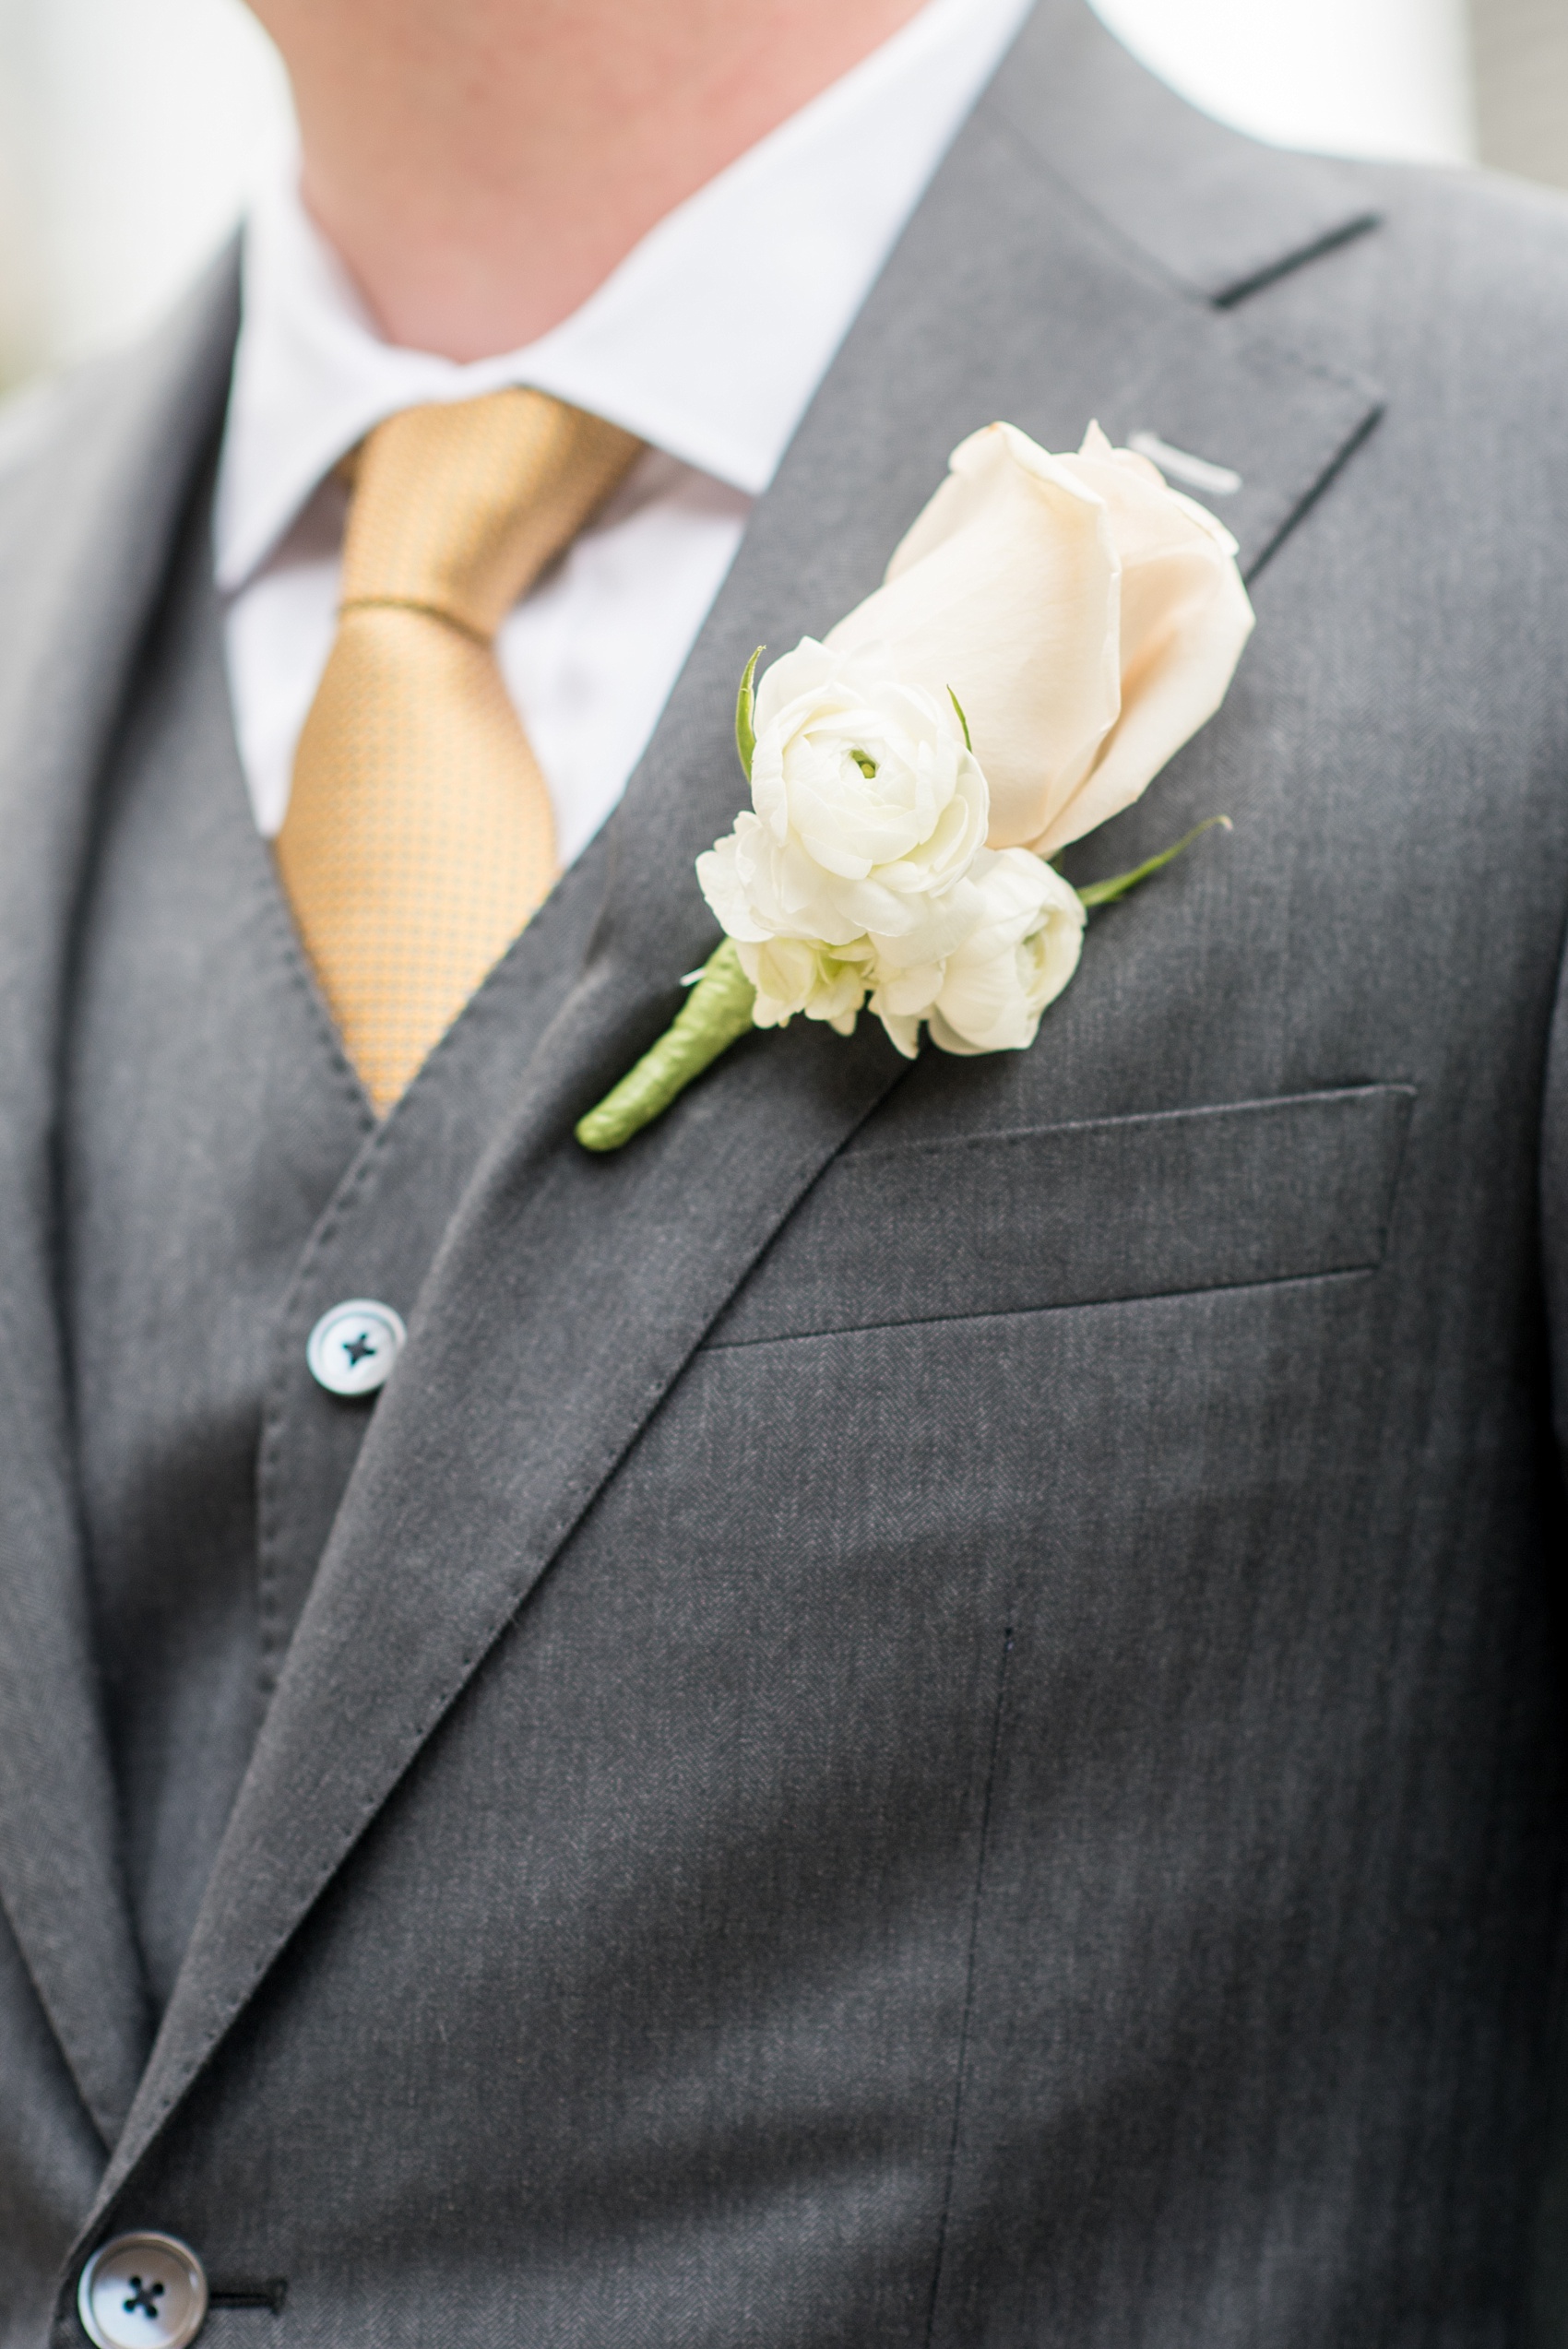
(1087,1214)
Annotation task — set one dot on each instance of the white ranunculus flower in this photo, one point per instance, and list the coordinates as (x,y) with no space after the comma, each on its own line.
(989,993)
(1018,960)
(795,975)
(870,809)
(1088,617)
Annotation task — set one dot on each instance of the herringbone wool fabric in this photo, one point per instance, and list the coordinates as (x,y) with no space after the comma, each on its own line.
(419,835)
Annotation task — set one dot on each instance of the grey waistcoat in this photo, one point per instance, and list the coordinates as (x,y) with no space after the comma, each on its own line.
(225,1183)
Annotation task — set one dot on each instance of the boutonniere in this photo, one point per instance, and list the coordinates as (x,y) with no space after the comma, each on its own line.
(1047,635)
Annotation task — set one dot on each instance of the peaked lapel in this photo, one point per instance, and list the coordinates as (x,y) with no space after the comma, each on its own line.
(89,525)
(571,1291)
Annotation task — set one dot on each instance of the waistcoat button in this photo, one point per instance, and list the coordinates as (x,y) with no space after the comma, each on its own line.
(142,2292)
(353,1349)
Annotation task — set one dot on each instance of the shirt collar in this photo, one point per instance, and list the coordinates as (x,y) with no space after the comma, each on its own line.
(802,222)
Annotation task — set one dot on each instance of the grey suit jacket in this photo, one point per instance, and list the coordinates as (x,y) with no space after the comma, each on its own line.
(933,1712)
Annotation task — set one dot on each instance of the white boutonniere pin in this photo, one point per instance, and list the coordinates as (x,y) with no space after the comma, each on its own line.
(1047,635)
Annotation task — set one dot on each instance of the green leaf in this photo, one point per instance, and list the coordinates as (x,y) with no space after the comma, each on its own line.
(745,714)
(962,721)
(715,1013)
(1105,892)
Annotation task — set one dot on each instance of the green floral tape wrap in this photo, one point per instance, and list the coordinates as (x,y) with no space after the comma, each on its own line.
(715,1013)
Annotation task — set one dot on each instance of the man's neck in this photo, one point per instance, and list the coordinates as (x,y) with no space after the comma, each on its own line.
(482,165)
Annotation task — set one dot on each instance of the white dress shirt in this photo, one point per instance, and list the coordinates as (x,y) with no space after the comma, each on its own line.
(707,341)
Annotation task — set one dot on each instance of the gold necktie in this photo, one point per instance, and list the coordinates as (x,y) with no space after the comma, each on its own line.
(419,837)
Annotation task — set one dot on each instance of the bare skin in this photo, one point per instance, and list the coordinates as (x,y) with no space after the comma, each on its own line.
(482,165)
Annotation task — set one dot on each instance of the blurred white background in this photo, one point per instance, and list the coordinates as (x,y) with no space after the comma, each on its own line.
(129,129)
(1388,78)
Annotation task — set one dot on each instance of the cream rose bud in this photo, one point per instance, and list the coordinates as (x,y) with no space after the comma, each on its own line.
(1088,617)
(989,994)
(870,809)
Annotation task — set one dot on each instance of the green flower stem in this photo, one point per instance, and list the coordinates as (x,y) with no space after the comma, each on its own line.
(1105,892)
(715,1014)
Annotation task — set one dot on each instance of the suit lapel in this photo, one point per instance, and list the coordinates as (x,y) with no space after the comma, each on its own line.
(570,1292)
(89,526)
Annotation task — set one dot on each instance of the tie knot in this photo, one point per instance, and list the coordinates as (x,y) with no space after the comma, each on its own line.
(457,508)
